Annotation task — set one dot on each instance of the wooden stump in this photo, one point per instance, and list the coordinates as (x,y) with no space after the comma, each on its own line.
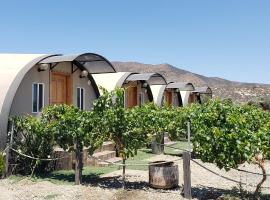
(163,175)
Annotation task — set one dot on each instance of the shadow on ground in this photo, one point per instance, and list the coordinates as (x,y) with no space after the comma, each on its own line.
(199,192)
(205,193)
(95,180)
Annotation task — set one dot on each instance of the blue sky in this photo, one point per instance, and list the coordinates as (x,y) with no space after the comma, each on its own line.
(225,38)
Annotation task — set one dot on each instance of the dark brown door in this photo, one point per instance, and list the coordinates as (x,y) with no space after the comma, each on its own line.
(132,96)
(168,97)
(60,89)
(192,98)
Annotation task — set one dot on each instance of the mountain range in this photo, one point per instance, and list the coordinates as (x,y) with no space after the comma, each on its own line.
(237,91)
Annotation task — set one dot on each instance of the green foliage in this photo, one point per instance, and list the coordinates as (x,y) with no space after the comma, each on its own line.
(31,137)
(72,126)
(223,133)
(229,134)
(2,164)
(153,119)
(119,124)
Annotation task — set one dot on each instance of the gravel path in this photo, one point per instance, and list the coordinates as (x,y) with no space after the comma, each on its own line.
(109,187)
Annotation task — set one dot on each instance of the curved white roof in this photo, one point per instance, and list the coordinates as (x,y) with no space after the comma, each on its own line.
(158,90)
(203,90)
(110,81)
(94,63)
(181,86)
(13,68)
(150,78)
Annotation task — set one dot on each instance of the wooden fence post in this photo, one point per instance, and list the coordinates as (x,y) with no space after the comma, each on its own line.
(187,175)
(186,167)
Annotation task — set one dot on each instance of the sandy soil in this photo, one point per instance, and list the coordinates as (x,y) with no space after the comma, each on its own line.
(110,186)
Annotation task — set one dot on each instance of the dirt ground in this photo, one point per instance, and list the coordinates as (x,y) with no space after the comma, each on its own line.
(109,186)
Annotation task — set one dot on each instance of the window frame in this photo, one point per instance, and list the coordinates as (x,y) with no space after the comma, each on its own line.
(38,98)
(81,107)
(141,98)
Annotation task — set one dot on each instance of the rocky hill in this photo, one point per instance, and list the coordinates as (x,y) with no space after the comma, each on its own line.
(238,91)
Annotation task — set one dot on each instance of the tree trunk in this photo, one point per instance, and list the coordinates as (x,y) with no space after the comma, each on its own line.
(78,166)
(157,146)
(162,144)
(124,173)
(258,187)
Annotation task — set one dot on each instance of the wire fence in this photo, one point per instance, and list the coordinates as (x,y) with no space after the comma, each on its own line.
(189,149)
(141,164)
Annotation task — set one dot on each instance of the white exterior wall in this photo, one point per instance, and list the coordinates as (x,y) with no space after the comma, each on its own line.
(13,67)
(185,96)
(158,92)
(110,81)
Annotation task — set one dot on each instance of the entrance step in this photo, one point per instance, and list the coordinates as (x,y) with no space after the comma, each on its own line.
(109,162)
(105,152)
(106,146)
(99,157)
(166,139)
(170,143)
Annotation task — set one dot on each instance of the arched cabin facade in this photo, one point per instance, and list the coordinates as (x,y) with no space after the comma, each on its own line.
(137,86)
(30,82)
(172,94)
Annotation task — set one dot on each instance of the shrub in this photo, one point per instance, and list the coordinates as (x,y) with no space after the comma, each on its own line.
(121,125)
(229,134)
(31,137)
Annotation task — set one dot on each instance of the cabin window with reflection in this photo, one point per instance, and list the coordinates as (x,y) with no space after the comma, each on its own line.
(141,98)
(80,98)
(37,97)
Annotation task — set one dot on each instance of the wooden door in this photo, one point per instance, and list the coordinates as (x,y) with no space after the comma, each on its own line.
(192,98)
(60,88)
(168,97)
(132,96)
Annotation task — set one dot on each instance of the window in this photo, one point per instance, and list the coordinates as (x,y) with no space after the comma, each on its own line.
(37,97)
(141,98)
(80,98)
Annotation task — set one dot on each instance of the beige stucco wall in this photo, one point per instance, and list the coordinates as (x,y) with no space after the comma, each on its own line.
(90,94)
(22,102)
(13,68)
(175,99)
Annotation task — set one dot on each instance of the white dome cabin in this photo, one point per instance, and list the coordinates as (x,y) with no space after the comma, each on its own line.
(137,86)
(30,82)
(202,94)
(174,94)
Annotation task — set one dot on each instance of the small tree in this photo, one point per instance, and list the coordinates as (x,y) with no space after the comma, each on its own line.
(119,124)
(228,134)
(154,121)
(73,130)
